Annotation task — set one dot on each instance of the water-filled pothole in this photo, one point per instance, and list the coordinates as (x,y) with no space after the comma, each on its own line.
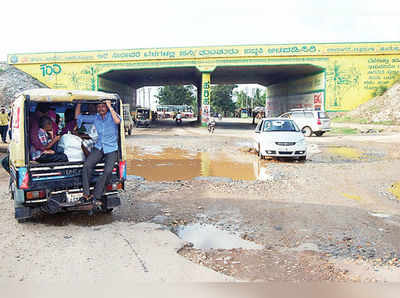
(172,164)
(204,236)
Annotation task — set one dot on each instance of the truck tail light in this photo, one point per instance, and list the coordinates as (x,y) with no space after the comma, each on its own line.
(114,186)
(122,170)
(23,178)
(37,194)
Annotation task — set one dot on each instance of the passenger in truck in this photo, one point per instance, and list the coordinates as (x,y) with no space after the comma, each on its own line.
(47,152)
(70,122)
(107,123)
(42,109)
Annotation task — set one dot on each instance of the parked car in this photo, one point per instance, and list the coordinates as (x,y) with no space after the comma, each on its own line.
(279,137)
(310,121)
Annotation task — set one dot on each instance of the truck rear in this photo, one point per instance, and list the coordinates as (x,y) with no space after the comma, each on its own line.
(57,187)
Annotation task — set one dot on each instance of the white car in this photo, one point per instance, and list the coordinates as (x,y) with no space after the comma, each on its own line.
(310,121)
(279,137)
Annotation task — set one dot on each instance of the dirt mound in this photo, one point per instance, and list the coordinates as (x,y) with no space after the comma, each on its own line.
(380,109)
(13,81)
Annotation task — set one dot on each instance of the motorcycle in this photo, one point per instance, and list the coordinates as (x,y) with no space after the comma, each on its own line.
(211,126)
(178,121)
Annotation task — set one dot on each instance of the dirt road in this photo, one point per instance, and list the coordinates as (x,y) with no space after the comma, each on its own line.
(334,217)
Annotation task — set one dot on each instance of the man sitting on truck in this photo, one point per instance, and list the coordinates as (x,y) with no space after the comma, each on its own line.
(106,147)
(48,141)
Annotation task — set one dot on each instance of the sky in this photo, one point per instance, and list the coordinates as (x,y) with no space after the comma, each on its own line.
(58,26)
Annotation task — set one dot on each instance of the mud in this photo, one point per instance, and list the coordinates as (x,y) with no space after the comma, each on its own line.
(323,219)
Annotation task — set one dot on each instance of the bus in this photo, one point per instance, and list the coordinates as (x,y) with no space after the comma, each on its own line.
(169,111)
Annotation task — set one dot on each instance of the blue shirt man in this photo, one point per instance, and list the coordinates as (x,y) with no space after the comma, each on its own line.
(107,125)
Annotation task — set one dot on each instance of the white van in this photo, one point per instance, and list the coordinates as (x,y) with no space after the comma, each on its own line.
(310,121)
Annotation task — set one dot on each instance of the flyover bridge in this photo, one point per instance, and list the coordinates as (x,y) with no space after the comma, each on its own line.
(331,77)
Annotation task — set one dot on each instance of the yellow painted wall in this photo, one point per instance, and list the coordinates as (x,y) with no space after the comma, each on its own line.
(353,71)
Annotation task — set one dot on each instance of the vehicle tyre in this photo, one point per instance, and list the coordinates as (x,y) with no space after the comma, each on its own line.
(307,131)
(129,131)
(302,158)
(319,133)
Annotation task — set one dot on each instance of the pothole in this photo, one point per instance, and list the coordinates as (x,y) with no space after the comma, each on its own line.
(172,164)
(204,236)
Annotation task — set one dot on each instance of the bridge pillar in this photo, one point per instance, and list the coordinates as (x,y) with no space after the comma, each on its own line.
(133,100)
(205,104)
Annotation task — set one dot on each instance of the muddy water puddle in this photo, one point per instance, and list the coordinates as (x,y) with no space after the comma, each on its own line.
(172,164)
(204,236)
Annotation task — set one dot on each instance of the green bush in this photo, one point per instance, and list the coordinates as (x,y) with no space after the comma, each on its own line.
(380,91)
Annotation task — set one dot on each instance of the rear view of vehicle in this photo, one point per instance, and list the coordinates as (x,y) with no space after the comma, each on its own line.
(57,186)
(143,117)
(323,123)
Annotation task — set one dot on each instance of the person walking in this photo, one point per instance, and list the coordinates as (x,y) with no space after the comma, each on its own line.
(106,122)
(3,124)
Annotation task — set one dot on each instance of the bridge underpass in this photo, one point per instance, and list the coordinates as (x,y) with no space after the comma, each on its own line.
(328,76)
(287,79)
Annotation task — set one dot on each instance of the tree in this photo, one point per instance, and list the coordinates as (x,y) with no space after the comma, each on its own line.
(177,95)
(243,100)
(221,98)
(259,99)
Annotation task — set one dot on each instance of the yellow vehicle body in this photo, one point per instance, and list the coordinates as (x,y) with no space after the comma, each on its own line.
(18,157)
(56,187)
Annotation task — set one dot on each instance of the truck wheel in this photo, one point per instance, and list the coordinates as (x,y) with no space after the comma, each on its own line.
(319,133)
(307,131)
(130,131)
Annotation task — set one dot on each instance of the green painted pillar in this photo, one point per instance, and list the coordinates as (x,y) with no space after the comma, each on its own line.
(205,98)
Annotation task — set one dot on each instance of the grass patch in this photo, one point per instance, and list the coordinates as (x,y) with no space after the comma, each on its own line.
(344,131)
(347,119)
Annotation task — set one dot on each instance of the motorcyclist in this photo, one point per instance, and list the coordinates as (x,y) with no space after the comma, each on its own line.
(178,118)
(211,124)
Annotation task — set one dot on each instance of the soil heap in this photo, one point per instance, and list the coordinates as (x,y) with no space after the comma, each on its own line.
(13,81)
(380,109)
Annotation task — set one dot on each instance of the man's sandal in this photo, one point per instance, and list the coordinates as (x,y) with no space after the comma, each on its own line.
(86,199)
